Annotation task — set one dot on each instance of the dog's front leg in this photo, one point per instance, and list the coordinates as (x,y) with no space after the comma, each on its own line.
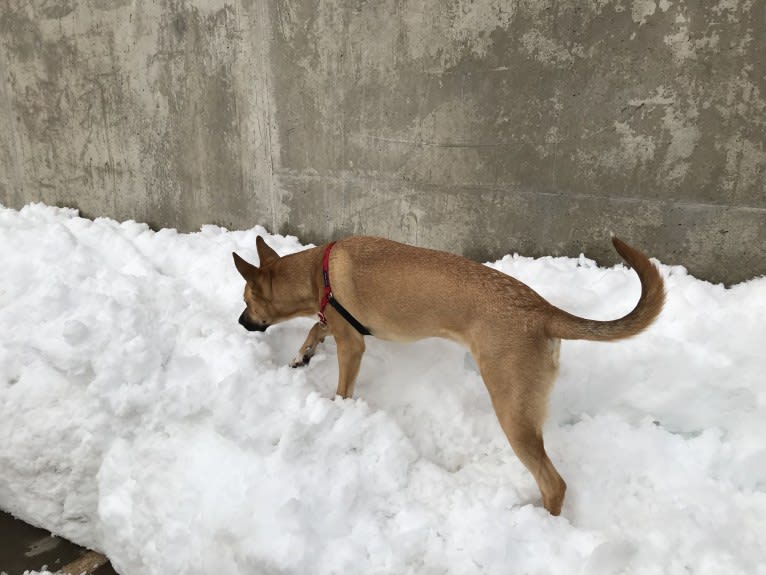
(316,335)
(350,349)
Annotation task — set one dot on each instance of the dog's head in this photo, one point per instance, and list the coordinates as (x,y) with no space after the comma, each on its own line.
(260,311)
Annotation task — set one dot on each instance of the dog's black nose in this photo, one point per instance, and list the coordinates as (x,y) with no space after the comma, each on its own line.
(250,325)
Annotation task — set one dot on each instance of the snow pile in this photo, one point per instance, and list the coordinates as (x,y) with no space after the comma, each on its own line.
(137,418)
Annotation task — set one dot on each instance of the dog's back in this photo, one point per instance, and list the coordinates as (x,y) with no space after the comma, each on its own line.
(406,293)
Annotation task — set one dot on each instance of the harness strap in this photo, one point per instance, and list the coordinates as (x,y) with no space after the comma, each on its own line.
(327,296)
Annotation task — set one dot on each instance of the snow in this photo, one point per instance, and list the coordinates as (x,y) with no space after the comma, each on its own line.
(139,419)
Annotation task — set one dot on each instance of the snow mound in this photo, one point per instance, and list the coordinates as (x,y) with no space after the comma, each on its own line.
(138,419)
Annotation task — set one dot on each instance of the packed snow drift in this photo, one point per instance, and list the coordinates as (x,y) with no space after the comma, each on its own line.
(139,419)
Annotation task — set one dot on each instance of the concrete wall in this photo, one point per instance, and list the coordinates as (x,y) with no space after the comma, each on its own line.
(477,126)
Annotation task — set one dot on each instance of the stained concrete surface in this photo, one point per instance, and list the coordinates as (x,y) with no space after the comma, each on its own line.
(26,548)
(477,126)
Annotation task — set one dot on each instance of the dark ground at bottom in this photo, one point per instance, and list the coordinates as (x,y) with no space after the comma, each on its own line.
(23,547)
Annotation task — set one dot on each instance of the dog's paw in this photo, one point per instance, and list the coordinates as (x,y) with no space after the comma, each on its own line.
(300,361)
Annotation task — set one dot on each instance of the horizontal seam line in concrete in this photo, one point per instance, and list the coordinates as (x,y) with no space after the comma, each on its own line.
(440,144)
(289,174)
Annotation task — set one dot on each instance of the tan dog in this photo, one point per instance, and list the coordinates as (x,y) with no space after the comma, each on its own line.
(403,293)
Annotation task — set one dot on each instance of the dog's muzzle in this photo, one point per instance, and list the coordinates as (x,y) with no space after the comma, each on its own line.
(251,325)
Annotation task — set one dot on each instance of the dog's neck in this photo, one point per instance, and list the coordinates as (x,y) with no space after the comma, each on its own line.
(295,276)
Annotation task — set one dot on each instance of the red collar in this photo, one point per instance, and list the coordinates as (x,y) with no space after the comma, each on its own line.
(327,297)
(326,276)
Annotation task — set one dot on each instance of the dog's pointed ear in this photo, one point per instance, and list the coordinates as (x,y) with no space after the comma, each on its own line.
(245,269)
(265,253)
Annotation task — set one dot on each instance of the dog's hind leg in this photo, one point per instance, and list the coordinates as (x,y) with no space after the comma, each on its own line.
(316,335)
(519,392)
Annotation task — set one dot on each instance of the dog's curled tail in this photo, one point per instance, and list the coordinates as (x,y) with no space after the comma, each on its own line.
(564,325)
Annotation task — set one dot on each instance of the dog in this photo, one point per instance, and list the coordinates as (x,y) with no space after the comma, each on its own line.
(372,286)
